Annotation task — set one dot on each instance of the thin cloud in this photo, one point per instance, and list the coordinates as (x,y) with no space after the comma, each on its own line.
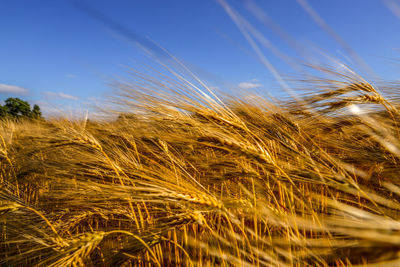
(13,89)
(248,85)
(61,95)
(50,110)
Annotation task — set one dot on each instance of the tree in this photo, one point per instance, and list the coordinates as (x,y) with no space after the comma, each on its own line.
(36,113)
(3,111)
(18,108)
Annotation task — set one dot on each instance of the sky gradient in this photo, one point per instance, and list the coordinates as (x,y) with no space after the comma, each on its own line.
(62,54)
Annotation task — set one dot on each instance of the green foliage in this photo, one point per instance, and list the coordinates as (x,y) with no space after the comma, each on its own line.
(17,108)
(36,113)
(3,111)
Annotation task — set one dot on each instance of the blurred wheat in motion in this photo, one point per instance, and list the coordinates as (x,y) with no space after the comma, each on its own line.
(184,178)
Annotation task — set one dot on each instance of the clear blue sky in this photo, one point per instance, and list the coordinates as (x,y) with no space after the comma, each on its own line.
(54,53)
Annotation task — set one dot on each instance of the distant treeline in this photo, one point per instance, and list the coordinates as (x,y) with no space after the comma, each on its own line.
(16,108)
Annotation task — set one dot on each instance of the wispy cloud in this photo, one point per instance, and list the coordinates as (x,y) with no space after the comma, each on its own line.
(61,95)
(71,76)
(13,89)
(248,85)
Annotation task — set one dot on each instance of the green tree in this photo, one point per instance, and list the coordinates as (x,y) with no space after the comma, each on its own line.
(3,111)
(18,108)
(36,113)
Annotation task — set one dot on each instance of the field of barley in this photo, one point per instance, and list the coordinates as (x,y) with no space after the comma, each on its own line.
(185,177)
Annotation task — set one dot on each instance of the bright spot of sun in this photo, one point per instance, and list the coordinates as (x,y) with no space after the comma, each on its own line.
(355,109)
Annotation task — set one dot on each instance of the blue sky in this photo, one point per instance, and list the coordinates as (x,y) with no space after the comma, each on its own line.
(58,55)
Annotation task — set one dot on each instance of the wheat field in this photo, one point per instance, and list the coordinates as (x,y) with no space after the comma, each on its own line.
(184,177)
